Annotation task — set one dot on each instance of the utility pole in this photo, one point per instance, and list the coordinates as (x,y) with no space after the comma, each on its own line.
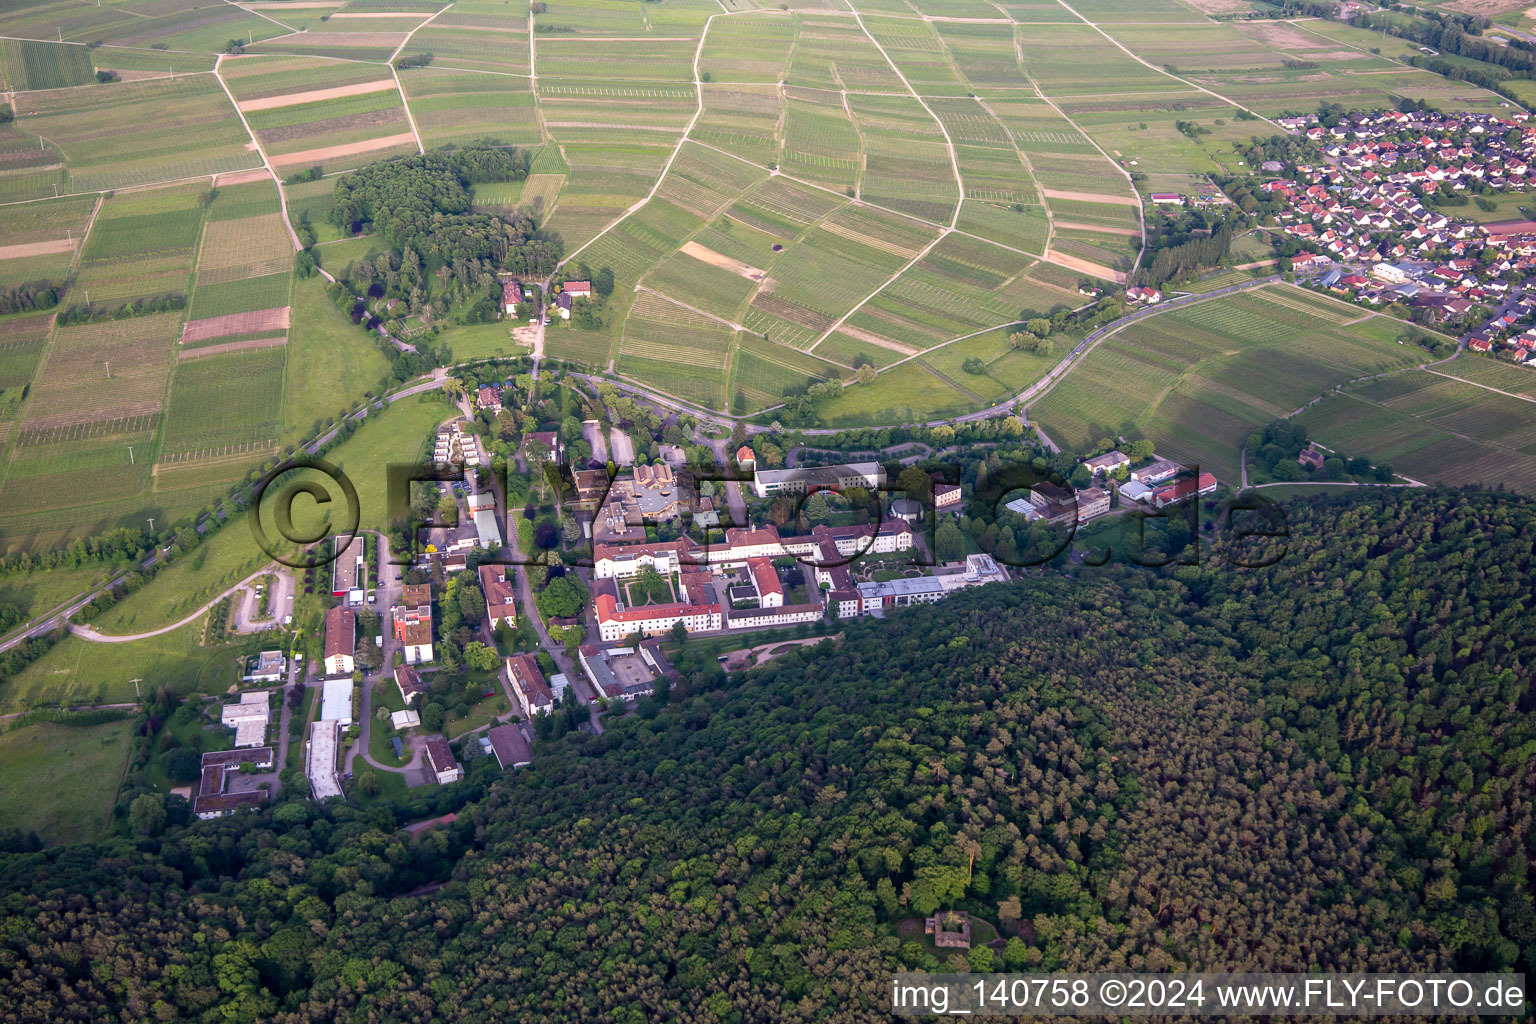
(136,692)
(151,524)
(130,456)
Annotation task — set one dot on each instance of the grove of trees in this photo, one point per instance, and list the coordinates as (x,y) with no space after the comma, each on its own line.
(1322,765)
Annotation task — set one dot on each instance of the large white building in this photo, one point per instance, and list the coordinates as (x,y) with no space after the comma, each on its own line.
(699,611)
(816,478)
(249,718)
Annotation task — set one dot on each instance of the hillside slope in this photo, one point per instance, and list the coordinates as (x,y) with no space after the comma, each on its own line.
(1321,765)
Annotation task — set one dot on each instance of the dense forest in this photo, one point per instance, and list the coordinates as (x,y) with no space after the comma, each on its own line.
(442,253)
(1324,764)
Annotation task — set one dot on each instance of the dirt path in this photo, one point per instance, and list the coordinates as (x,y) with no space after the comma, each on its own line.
(124,638)
(282,198)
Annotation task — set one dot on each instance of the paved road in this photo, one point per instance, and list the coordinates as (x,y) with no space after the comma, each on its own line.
(436,378)
(123,638)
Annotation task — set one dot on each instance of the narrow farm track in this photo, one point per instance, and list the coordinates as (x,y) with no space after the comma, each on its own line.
(282,200)
(954,163)
(698,89)
(404,101)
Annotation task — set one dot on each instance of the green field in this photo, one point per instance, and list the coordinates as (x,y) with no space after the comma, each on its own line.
(1198,380)
(78,767)
(29,64)
(1439,426)
(397,434)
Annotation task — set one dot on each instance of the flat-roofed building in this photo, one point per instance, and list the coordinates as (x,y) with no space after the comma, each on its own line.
(320,766)
(349,573)
(249,718)
(805,479)
(1091,503)
(1156,472)
(212,801)
(336,701)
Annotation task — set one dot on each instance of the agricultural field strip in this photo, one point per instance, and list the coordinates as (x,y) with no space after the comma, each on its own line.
(1141,212)
(954,164)
(698,90)
(692,309)
(1118,45)
(1070,361)
(396,72)
(1476,384)
(259,14)
(1050,219)
(282,198)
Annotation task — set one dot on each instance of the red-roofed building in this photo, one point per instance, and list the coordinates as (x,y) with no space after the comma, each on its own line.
(533,693)
(500,598)
(765,580)
(1184,489)
(577,289)
(698,611)
(745,457)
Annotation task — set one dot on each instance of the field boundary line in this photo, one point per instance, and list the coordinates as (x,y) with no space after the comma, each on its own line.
(698,111)
(949,143)
(1050,215)
(1123,49)
(247,10)
(954,165)
(1141,209)
(282,200)
(53,326)
(1477,384)
(404,100)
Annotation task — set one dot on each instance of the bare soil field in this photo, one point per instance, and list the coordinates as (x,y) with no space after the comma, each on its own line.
(879,342)
(715,259)
(1088,197)
(235,323)
(316,95)
(57,245)
(1070,226)
(1073,263)
(317,156)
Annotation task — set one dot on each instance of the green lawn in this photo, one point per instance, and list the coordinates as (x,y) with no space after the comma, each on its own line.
(37,592)
(395,435)
(483,713)
(331,362)
(77,768)
(385,695)
(84,671)
(482,341)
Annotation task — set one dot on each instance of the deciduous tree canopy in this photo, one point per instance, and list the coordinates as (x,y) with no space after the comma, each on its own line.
(1325,764)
